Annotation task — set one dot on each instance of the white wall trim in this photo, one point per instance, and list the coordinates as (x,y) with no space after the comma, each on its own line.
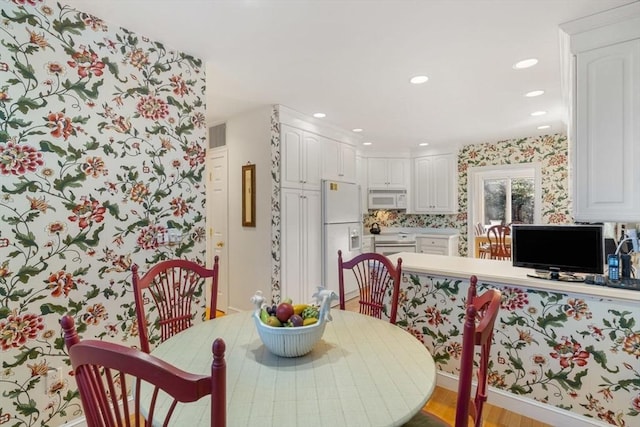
(78,422)
(528,407)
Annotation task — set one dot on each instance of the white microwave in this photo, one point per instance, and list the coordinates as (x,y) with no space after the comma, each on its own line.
(387,199)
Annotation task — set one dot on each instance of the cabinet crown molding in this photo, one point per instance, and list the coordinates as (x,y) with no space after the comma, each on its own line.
(311,124)
(605,28)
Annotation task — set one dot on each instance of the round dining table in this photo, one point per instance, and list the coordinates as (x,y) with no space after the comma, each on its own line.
(363,372)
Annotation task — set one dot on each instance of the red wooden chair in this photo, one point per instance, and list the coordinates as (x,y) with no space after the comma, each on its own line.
(498,246)
(375,274)
(481,314)
(109,378)
(172,285)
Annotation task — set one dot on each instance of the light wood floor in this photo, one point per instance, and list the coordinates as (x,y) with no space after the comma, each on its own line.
(443,404)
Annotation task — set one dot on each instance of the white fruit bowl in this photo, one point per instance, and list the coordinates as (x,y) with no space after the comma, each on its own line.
(293,341)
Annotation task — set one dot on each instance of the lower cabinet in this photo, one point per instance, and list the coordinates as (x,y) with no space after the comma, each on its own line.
(438,244)
(301,244)
(367,244)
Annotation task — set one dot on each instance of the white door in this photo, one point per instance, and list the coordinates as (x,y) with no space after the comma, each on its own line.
(217,220)
(313,243)
(377,173)
(397,173)
(331,159)
(301,238)
(348,160)
(312,161)
(607,174)
(291,273)
(291,148)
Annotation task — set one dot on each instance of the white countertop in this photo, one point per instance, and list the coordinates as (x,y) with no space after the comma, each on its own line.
(503,272)
(417,231)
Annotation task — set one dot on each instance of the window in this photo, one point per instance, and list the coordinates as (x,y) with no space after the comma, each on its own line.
(503,195)
(508,200)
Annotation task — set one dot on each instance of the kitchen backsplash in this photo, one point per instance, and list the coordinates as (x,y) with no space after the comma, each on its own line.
(387,218)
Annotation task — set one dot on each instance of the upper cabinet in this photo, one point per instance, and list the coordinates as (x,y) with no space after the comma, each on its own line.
(301,151)
(388,173)
(361,174)
(436,184)
(605,53)
(338,161)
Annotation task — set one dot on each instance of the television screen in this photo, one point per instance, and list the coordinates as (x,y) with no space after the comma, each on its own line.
(558,248)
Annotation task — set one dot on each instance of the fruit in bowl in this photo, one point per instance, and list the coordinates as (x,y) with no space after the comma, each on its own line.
(284,311)
(288,315)
(290,330)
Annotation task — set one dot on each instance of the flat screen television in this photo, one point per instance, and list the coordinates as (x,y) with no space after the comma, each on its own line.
(558,251)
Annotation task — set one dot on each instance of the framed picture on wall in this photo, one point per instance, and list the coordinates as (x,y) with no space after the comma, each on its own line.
(249,195)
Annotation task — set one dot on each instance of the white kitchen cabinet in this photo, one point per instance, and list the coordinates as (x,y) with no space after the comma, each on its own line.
(605,51)
(338,161)
(300,161)
(437,244)
(436,184)
(361,174)
(608,133)
(301,244)
(388,173)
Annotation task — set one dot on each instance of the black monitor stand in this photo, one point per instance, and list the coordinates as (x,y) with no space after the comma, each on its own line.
(556,275)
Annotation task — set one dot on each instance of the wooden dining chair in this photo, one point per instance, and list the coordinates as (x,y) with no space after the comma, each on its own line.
(483,249)
(477,336)
(109,378)
(498,247)
(172,285)
(376,276)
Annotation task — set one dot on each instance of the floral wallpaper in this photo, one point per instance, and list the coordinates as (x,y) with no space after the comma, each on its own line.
(276,216)
(550,151)
(578,353)
(102,147)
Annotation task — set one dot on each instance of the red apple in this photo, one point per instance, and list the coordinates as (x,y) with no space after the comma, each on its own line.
(284,311)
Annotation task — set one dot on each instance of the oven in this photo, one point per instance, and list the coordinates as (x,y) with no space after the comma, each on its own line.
(392,244)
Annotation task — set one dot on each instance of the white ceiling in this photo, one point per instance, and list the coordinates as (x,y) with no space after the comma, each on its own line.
(352,60)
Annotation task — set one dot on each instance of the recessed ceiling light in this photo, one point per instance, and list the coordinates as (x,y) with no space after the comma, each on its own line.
(367,143)
(416,80)
(525,63)
(356,130)
(538,113)
(319,115)
(423,144)
(544,127)
(534,93)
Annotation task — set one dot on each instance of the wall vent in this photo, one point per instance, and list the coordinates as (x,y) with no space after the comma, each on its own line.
(218,136)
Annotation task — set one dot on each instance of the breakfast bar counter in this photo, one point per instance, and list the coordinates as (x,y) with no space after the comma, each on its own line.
(498,271)
(569,348)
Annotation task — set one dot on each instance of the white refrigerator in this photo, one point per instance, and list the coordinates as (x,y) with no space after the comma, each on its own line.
(341,230)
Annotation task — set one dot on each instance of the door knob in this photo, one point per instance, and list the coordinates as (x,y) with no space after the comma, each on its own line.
(219,244)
